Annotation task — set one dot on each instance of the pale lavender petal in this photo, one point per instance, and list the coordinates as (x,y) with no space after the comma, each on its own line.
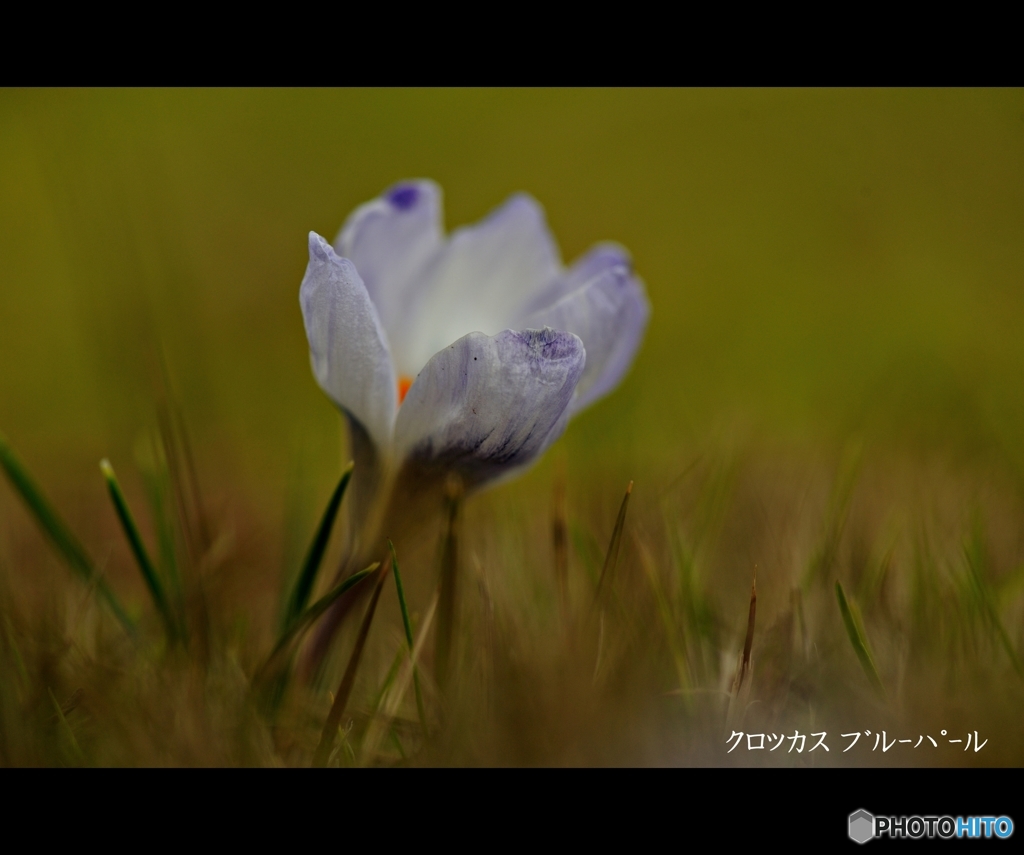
(609,313)
(348,348)
(599,258)
(487,404)
(392,241)
(483,278)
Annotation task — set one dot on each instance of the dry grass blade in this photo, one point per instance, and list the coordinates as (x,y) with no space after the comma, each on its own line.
(131,531)
(984,596)
(611,557)
(65,728)
(172,455)
(859,640)
(323,750)
(381,724)
(180,461)
(674,634)
(192,478)
(56,530)
(838,513)
(191,527)
(749,640)
(797,604)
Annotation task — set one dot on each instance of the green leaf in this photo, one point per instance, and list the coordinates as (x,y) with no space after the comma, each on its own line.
(858,639)
(311,566)
(138,547)
(59,534)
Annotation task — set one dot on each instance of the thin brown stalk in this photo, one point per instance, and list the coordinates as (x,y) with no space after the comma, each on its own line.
(744,668)
(741,682)
(560,541)
(797,604)
(447,592)
(611,558)
(323,751)
(294,631)
(192,478)
(197,610)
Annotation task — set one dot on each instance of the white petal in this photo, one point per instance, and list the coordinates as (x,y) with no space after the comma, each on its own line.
(485,276)
(487,404)
(392,241)
(348,348)
(609,312)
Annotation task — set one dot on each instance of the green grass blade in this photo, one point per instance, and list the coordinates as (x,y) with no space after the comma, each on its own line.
(65,542)
(311,566)
(59,534)
(611,557)
(408,636)
(138,547)
(401,594)
(858,640)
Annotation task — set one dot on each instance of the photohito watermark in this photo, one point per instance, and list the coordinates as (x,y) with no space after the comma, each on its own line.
(865,826)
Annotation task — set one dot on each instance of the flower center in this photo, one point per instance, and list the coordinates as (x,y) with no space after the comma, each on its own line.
(404,382)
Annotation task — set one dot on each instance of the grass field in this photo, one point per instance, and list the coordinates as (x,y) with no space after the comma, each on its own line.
(830,396)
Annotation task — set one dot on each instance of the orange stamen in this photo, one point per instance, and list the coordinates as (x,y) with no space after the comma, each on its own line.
(404,383)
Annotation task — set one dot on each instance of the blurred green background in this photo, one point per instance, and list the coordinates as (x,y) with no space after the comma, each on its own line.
(820,263)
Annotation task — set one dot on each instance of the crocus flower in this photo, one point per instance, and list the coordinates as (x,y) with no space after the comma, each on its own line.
(465,353)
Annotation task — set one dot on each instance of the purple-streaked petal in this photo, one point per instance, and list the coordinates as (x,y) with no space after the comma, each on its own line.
(487,404)
(483,278)
(609,313)
(348,348)
(392,241)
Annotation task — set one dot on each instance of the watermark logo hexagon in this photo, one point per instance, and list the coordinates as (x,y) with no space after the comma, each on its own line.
(862,826)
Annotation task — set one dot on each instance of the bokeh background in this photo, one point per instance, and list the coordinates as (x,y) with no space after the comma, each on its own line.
(819,262)
(827,269)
